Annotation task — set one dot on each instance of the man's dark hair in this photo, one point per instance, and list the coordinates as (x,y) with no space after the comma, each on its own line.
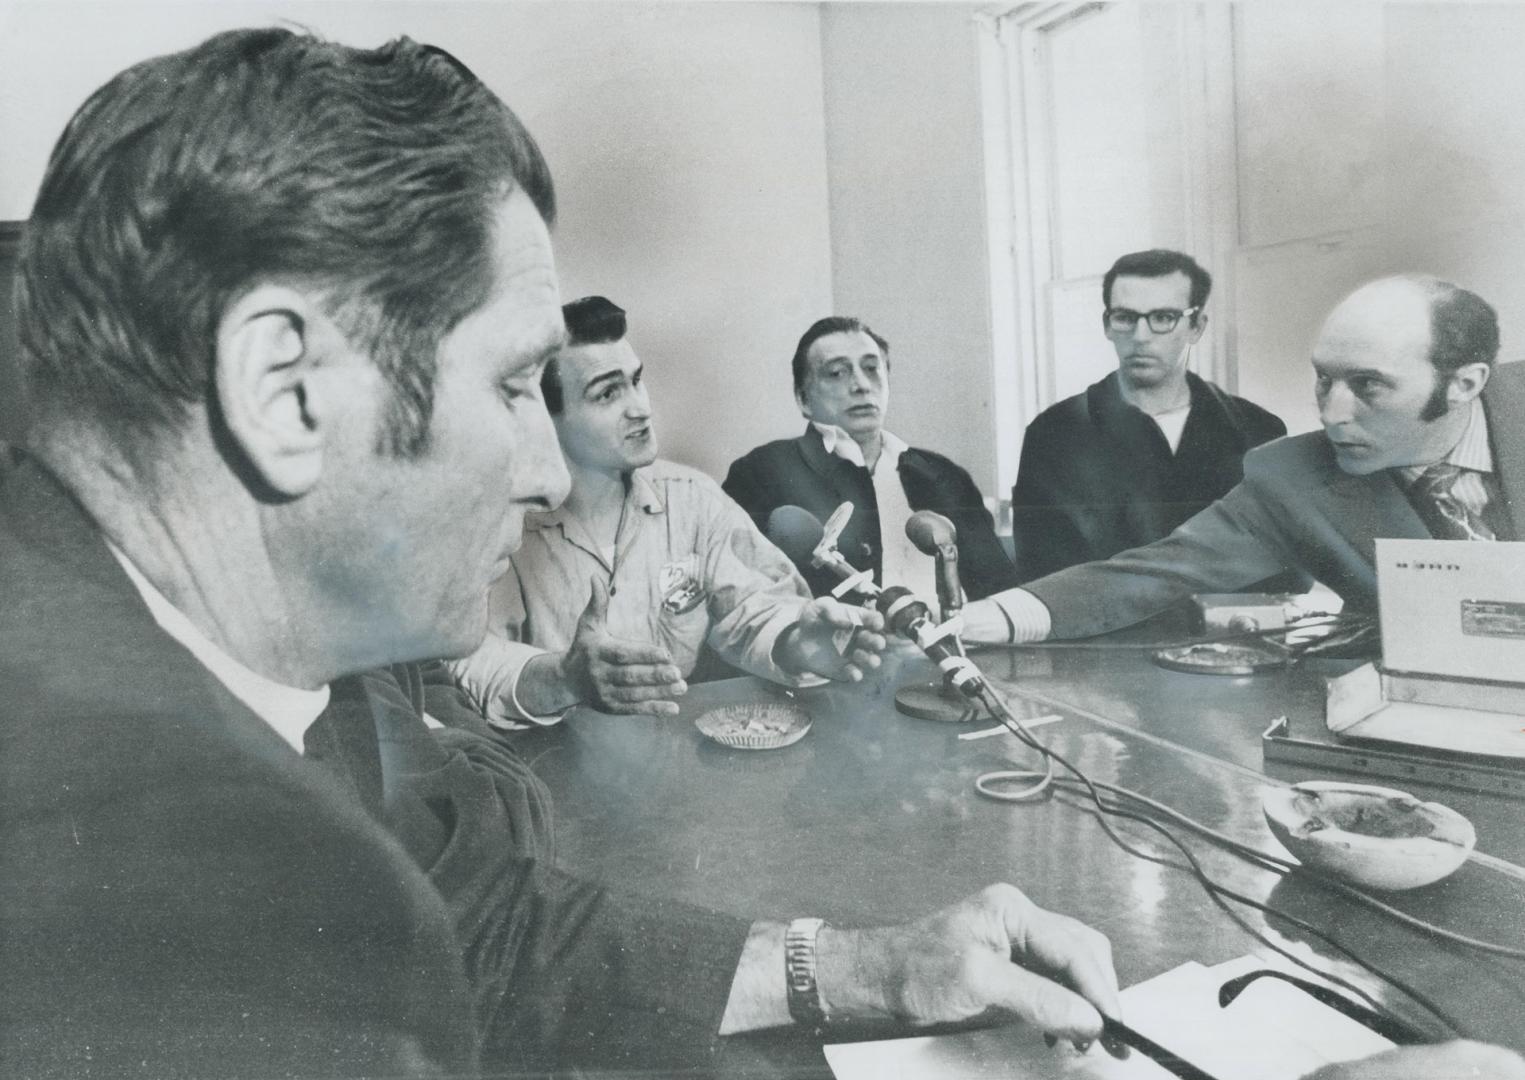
(1160,262)
(1464,329)
(591,320)
(832,324)
(374,175)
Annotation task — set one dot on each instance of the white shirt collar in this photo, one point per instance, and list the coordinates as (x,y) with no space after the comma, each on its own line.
(840,443)
(288,709)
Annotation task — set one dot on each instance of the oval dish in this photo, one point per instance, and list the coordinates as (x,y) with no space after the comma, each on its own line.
(1376,837)
(755,726)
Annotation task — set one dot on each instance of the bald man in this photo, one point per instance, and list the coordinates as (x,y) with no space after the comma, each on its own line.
(1421,438)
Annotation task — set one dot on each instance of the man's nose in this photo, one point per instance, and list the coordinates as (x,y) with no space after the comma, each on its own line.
(1335,406)
(545,477)
(1141,329)
(638,405)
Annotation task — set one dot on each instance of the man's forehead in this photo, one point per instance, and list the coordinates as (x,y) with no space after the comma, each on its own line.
(523,310)
(844,345)
(582,364)
(1387,323)
(1172,288)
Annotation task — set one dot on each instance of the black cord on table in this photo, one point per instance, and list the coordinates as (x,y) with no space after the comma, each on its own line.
(1219,894)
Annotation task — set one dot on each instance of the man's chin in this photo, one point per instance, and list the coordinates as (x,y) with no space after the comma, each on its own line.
(1356,462)
(1141,376)
(644,458)
(463,639)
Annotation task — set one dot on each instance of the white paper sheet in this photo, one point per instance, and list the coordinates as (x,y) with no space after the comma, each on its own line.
(1274,1031)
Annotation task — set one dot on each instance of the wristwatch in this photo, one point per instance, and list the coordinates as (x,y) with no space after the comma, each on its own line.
(799,972)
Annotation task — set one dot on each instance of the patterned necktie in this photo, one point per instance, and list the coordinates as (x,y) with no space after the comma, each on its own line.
(1448,517)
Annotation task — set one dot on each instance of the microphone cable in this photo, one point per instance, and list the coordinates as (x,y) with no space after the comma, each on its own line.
(1220,894)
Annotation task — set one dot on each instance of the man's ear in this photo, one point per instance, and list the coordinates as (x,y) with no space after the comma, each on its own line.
(263,375)
(1467,382)
(1198,327)
(799,399)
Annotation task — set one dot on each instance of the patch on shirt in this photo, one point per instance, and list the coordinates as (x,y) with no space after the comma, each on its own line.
(681,592)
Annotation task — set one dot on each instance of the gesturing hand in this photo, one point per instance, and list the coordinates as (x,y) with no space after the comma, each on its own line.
(995,951)
(810,644)
(617,675)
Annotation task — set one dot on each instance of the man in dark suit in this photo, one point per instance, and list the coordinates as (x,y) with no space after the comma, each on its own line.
(284,310)
(842,385)
(1422,438)
(1136,454)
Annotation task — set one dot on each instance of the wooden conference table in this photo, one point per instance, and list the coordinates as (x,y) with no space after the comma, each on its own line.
(873,818)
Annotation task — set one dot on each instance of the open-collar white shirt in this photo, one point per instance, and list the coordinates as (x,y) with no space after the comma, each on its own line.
(289,710)
(903,564)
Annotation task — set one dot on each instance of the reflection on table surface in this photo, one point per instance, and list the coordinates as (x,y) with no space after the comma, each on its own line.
(873,817)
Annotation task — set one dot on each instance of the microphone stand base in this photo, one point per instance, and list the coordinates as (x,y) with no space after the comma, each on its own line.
(936,700)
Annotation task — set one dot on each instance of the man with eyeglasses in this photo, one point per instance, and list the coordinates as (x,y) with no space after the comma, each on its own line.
(1136,454)
(1421,440)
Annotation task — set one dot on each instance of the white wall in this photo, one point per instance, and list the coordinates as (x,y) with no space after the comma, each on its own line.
(1412,162)
(908,225)
(687,142)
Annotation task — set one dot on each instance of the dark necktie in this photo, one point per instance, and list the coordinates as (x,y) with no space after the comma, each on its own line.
(1434,497)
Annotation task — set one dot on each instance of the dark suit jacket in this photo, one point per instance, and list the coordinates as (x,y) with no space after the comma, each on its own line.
(1098,477)
(799,472)
(184,895)
(1295,509)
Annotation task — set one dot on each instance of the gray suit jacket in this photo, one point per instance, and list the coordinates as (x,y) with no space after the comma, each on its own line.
(1295,510)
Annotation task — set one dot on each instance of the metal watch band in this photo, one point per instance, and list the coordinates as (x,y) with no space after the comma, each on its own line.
(799,972)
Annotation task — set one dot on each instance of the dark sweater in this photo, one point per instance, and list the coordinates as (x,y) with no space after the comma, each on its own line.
(1097,476)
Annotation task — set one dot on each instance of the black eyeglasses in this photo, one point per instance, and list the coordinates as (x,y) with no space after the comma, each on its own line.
(1121,320)
(1389,1027)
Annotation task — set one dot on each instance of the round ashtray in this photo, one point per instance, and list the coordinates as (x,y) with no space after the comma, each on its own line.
(1372,836)
(1220,658)
(755,726)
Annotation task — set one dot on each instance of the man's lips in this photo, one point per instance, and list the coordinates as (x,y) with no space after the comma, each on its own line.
(639,433)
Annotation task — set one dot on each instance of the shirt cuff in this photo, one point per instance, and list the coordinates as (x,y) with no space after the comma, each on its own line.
(490,678)
(1029,617)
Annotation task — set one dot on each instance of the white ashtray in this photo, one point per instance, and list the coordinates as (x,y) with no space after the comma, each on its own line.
(755,726)
(1372,836)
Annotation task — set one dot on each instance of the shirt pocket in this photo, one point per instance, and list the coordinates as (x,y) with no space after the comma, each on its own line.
(682,615)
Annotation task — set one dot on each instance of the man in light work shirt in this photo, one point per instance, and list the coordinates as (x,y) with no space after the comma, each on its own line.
(841,374)
(1421,439)
(1133,456)
(614,593)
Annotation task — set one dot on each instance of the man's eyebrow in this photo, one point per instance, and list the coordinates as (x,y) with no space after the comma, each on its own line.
(1352,373)
(538,357)
(608,376)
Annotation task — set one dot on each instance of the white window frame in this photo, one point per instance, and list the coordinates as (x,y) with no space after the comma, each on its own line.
(1018,138)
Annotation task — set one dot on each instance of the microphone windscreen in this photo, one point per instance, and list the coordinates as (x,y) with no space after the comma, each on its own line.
(796,532)
(929,531)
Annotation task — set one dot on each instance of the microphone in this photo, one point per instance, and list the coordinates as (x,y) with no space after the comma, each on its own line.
(936,536)
(802,537)
(795,532)
(910,618)
(800,534)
